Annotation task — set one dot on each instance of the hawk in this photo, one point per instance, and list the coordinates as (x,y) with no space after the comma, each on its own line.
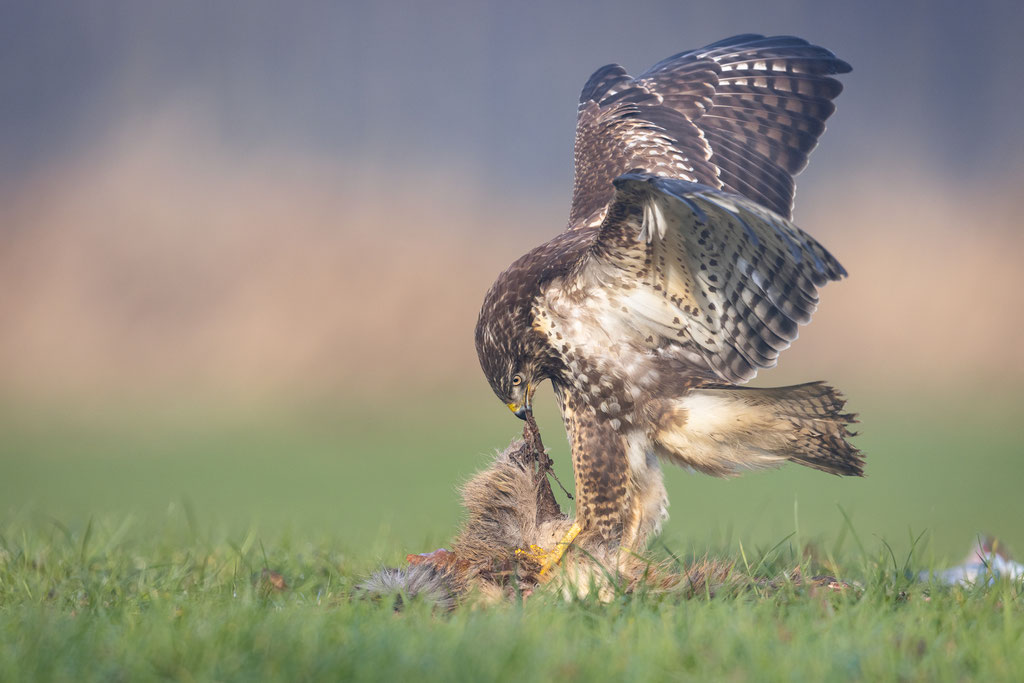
(679,277)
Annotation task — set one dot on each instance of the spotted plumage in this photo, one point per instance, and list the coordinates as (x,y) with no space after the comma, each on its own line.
(679,277)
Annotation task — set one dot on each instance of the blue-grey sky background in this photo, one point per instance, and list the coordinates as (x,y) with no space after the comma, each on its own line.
(488,88)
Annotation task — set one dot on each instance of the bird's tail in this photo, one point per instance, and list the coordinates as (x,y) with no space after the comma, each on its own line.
(722,430)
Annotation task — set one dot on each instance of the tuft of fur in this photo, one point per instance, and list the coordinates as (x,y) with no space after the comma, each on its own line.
(722,430)
(428,582)
(509,506)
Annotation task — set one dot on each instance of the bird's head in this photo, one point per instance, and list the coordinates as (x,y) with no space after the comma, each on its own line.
(512,373)
(508,349)
(516,389)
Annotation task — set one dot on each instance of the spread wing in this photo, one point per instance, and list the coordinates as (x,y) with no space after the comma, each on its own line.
(741,115)
(705,276)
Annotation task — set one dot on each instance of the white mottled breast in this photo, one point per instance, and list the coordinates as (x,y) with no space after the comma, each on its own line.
(615,330)
(598,340)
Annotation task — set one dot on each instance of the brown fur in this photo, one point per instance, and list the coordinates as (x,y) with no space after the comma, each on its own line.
(510,506)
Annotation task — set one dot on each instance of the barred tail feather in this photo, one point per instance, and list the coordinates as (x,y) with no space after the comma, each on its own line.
(722,430)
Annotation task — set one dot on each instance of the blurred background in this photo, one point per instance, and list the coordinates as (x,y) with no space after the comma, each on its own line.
(242,248)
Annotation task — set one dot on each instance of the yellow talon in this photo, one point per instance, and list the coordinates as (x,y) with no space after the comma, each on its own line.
(555,556)
(535,553)
(548,559)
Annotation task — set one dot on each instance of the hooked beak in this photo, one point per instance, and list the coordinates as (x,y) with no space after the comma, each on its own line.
(521,411)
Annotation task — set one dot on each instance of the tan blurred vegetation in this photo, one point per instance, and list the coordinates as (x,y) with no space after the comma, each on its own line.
(154,263)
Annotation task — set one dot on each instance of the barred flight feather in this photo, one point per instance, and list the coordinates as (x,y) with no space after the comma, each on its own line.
(739,279)
(757,107)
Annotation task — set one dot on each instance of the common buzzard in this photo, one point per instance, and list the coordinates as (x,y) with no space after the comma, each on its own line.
(680,276)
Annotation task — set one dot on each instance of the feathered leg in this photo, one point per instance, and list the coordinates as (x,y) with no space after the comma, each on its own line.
(601,471)
(646,500)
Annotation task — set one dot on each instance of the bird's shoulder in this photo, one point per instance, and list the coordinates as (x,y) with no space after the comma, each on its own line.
(553,261)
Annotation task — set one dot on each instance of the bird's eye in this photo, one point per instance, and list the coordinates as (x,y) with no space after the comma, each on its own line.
(517,380)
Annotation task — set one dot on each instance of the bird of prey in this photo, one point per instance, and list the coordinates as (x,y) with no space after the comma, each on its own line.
(679,277)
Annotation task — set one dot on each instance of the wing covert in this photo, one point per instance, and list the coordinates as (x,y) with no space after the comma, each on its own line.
(708,272)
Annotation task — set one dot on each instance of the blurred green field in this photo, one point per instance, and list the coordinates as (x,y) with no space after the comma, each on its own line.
(384,475)
(133,541)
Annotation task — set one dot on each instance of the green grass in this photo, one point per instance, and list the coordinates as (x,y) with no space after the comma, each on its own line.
(123,602)
(132,545)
